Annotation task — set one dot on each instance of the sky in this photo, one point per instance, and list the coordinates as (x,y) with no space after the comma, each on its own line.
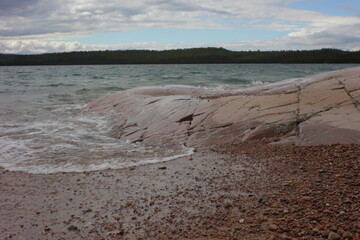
(41,26)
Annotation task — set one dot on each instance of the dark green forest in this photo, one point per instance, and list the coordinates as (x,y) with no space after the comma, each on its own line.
(182,56)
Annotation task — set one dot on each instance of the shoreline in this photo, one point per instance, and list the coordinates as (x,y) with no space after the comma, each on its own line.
(251,190)
(264,169)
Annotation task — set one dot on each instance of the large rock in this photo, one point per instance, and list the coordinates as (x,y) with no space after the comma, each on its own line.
(323,109)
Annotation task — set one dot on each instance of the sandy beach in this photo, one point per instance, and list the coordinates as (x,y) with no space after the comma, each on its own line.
(287,167)
(254,191)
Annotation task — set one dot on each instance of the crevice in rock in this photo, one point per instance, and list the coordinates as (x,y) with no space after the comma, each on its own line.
(131,133)
(188,118)
(353,100)
(304,117)
(224,104)
(283,105)
(222,126)
(197,106)
(199,124)
(130,125)
(153,101)
(237,110)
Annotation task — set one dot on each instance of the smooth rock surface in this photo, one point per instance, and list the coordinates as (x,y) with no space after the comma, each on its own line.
(322,109)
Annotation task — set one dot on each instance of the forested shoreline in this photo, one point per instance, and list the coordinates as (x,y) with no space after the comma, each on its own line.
(181,56)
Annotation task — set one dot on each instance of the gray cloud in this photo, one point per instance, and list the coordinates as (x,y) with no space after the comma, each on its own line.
(346,38)
(26,22)
(15,6)
(32,17)
(27,9)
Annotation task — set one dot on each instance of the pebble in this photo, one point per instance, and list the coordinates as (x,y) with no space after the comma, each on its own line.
(73,228)
(347,235)
(285,237)
(334,236)
(307,198)
(273,227)
(241,220)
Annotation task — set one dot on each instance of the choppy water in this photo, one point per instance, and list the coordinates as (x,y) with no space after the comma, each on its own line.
(43,128)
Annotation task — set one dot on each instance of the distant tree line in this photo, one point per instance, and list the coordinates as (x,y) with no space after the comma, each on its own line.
(182,56)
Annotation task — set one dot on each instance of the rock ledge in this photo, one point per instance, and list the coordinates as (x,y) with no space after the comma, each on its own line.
(322,109)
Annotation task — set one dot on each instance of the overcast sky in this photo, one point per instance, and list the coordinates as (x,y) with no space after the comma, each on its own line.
(38,26)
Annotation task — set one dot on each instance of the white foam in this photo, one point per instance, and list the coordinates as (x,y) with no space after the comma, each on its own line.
(103,165)
(70,141)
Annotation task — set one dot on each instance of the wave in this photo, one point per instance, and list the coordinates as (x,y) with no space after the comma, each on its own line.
(58,85)
(71,141)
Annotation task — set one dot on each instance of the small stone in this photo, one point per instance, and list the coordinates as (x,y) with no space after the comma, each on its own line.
(334,236)
(307,198)
(325,234)
(241,220)
(162,168)
(228,204)
(273,227)
(73,228)
(347,235)
(285,237)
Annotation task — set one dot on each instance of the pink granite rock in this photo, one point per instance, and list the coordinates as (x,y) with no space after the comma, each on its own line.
(322,109)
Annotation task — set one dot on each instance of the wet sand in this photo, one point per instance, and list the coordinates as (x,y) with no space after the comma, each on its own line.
(249,190)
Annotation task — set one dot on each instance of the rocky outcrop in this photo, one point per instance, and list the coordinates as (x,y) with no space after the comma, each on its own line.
(323,109)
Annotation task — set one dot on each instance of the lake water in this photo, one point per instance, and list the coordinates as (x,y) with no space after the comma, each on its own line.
(44,130)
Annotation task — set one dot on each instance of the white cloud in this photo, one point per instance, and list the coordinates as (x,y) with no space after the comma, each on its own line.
(347,37)
(43,46)
(28,25)
(76,16)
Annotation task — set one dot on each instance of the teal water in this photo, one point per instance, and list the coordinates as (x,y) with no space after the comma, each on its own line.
(43,128)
